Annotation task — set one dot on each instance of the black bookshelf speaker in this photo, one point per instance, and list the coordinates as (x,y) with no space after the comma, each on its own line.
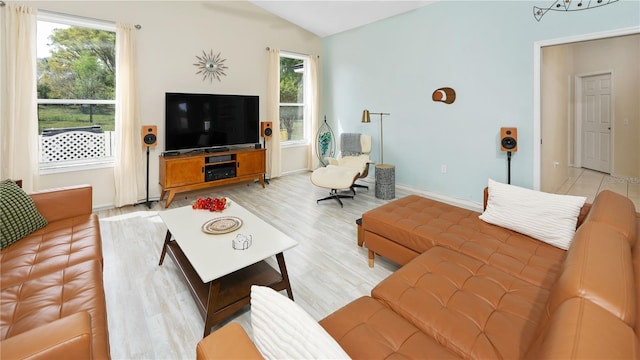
(509,139)
(266,129)
(149,135)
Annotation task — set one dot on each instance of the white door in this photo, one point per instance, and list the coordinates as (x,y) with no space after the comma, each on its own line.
(596,123)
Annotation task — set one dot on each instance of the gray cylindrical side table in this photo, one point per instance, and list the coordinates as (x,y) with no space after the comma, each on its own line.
(385,181)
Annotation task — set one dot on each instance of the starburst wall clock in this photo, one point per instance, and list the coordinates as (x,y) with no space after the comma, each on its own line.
(210,66)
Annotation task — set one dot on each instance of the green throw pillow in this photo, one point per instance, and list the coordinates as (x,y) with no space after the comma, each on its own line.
(18,214)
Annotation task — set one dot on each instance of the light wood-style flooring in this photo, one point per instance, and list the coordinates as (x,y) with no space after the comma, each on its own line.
(151,313)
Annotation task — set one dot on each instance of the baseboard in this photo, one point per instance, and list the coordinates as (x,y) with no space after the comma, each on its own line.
(293,172)
(113,206)
(469,205)
(466,204)
(103,207)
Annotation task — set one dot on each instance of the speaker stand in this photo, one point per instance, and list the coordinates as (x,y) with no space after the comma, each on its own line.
(508,167)
(264,145)
(148,203)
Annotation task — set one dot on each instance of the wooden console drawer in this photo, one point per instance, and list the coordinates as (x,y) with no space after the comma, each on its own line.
(184,172)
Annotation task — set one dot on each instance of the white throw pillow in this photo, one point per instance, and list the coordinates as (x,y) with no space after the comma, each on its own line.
(283,330)
(546,217)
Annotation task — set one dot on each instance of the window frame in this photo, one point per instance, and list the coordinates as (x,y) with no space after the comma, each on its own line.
(306,119)
(86,164)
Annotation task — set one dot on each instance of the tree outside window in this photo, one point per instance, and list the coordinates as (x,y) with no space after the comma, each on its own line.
(292,98)
(76,87)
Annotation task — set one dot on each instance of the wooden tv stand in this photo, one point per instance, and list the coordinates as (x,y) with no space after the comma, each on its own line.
(187,172)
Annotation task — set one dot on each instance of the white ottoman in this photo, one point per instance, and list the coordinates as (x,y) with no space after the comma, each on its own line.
(335,178)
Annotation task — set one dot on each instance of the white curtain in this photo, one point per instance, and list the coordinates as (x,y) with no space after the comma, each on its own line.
(274,166)
(313,110)
(129,162)
(18,114)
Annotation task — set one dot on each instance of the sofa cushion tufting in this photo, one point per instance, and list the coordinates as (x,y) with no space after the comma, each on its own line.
(388,336)
(53,296)
(471,308)
(58,245)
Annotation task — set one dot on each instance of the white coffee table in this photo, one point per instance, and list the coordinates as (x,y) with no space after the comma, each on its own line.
(219,276)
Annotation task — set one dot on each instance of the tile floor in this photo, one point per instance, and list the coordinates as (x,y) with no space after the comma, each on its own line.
(589,183)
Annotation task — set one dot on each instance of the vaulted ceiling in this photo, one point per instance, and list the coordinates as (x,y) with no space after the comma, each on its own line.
(325,18)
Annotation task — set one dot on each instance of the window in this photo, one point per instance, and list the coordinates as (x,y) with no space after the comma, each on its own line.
(293,99)
(76,92)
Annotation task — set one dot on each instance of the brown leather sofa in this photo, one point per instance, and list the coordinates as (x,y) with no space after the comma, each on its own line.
(52,298)
(468,289)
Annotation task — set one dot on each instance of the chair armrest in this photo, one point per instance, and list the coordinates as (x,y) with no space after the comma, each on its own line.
(66,338)
(365,171)
(228,342)
(63,203)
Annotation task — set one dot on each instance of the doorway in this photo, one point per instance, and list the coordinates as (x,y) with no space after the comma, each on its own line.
(623,119)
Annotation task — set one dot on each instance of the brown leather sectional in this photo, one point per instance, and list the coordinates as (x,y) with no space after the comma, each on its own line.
(52,298)
(468,289)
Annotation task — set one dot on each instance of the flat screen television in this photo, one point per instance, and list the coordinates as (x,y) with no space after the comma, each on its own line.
(201,121)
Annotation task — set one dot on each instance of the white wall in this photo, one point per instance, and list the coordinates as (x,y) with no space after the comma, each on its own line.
(172,34)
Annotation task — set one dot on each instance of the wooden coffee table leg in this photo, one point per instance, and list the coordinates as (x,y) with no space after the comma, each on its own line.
(167,239)
(285,276)
(210,319)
